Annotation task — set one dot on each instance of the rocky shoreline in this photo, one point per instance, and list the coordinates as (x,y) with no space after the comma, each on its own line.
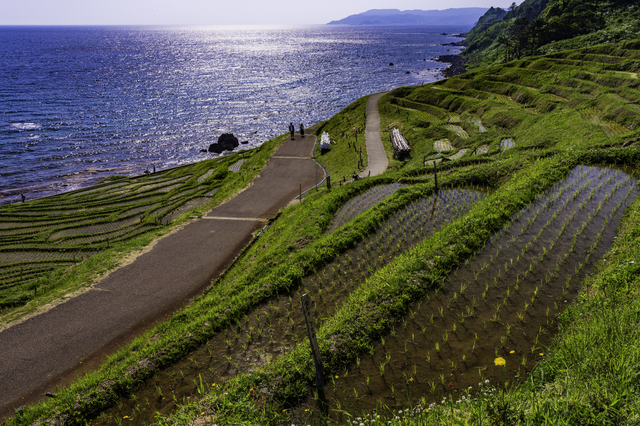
(457,65)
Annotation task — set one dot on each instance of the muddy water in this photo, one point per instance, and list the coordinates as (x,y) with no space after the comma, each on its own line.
(362,202)
(275,327)
(502,302)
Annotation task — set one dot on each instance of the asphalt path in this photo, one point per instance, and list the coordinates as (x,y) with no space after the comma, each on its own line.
(55,347)
(377,157)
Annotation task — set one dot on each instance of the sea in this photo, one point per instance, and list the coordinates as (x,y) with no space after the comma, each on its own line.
(79,104)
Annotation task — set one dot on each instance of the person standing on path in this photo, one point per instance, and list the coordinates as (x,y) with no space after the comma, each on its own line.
(301,130)
(292,129)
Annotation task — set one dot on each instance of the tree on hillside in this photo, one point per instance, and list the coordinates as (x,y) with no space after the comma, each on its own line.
(522,38)
(536,30)
(516,32)
(571,18)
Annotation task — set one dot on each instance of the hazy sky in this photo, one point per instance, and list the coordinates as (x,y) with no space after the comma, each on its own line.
(207,12)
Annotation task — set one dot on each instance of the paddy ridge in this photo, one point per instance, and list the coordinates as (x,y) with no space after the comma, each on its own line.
(420,290)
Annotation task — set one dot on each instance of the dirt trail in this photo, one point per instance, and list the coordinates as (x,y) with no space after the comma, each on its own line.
(57,346)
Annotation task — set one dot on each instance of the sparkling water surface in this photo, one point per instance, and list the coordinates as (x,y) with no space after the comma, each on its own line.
(78,104)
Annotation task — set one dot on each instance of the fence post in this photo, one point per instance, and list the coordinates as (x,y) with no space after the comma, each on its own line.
(311,332)
(435,174)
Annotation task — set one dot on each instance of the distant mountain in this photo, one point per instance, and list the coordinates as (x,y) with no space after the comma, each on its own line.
(462,16)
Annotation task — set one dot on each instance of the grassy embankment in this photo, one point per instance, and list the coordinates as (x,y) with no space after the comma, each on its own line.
(347,131)
(524,128)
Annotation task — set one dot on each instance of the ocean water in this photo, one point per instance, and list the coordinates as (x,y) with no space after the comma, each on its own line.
(78,104)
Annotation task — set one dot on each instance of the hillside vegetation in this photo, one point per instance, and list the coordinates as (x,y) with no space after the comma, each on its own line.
(505,293)
(545,26)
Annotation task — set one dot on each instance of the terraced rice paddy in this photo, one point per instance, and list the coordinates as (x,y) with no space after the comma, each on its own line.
(482,149)
(54,233)
(507,144)
(429,118)
(458,155)
(457,130)
(592,115)
(505,99)
(205,175)
(361,203)
(443,145)
(275,327)
(236,166)
(500,304)
(478,123)
(497,305)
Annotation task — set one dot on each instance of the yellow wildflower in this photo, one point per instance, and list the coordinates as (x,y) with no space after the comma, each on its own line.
(499,361)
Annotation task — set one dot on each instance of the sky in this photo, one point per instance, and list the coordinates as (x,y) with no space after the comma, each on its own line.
(207,12)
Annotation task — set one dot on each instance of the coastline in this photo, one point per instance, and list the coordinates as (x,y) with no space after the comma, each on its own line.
(457,65)
(64,150)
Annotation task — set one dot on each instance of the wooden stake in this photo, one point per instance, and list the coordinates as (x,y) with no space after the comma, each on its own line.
(311,332)
(435,174)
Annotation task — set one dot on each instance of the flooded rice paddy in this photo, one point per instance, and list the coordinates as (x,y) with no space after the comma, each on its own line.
(501,302)
(277,326)
(360,203)
(54,233)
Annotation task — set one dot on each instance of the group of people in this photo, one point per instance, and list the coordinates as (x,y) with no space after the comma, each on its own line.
(292,130)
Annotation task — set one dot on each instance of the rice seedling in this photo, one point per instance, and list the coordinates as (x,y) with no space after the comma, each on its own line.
(555,213)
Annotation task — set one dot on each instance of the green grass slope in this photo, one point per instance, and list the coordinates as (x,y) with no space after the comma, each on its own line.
(516,131)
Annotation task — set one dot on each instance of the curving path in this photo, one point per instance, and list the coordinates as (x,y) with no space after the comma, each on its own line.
(375,150)
(55,347)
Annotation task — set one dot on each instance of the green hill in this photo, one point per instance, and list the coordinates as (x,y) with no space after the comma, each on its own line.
(490,277)
(497,295)
(545,26)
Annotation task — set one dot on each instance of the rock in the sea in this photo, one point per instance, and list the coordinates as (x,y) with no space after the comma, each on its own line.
(226,142)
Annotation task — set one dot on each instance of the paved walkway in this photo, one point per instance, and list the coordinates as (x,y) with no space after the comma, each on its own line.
(55,347)
(375,150)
